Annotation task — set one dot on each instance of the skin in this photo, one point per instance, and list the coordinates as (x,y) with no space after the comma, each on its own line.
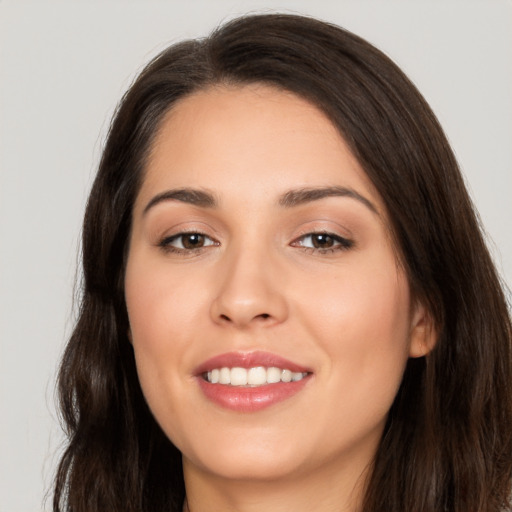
(259,283)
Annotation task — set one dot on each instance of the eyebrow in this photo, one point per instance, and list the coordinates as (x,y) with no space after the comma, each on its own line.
(185,195)
(306,195)
(289,199)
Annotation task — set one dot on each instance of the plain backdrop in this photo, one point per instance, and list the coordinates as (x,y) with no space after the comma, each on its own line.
(63,67)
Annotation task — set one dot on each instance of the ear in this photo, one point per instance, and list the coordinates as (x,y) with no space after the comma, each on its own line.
(423,336)
(129,334)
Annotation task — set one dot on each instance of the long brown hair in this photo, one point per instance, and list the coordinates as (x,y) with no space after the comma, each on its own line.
(447,445)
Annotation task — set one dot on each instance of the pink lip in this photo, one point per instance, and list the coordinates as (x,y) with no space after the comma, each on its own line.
(249,399)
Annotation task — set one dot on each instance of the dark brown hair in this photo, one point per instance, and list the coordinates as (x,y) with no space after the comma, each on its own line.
(447,444)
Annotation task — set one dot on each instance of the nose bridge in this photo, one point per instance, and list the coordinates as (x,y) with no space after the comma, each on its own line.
(249,288)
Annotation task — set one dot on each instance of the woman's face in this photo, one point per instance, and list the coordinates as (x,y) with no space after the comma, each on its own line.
(270,319)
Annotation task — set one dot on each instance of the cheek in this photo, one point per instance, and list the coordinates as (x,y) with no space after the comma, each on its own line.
(159,304)
(160,313)
(361,318)
(360,300)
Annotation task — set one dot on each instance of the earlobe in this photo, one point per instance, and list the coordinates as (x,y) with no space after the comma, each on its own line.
(423,333)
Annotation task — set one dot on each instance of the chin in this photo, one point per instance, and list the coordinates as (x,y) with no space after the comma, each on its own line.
(255,458)
(263,468)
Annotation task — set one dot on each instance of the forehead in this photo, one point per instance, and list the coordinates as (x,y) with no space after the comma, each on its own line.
(253,138)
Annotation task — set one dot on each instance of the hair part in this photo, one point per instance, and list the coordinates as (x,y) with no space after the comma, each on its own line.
(447,444)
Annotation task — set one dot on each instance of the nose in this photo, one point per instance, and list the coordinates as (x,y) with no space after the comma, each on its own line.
(250,291)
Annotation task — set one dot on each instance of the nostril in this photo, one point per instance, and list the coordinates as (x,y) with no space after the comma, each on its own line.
(262,316)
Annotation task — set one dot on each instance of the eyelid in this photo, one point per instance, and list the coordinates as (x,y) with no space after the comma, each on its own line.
(164,225)
(179,219)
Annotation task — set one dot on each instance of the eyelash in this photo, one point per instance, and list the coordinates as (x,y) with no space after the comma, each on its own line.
(342,244)
(165,243)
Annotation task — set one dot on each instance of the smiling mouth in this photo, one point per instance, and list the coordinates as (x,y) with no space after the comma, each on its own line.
(252,377)
(247,382)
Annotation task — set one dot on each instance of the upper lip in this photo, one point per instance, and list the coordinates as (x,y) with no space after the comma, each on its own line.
(249,360)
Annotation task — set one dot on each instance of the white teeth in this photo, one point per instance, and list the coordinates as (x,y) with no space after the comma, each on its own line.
(257,376)
(286,376)
(273,375)
(225,376)
(238,377)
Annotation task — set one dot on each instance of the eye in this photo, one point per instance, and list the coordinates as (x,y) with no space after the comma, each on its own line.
(323,242)
(185,242)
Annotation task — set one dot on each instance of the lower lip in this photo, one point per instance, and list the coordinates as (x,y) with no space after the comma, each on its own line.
(250,399)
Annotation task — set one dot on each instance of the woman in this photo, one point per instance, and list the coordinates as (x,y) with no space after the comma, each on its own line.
(287,303)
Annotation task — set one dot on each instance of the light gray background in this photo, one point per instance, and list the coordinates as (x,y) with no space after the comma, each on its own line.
(63,67)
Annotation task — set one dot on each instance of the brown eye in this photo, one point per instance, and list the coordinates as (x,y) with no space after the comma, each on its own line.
(192,240)
(322,241)
(328,242)
(183,242)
